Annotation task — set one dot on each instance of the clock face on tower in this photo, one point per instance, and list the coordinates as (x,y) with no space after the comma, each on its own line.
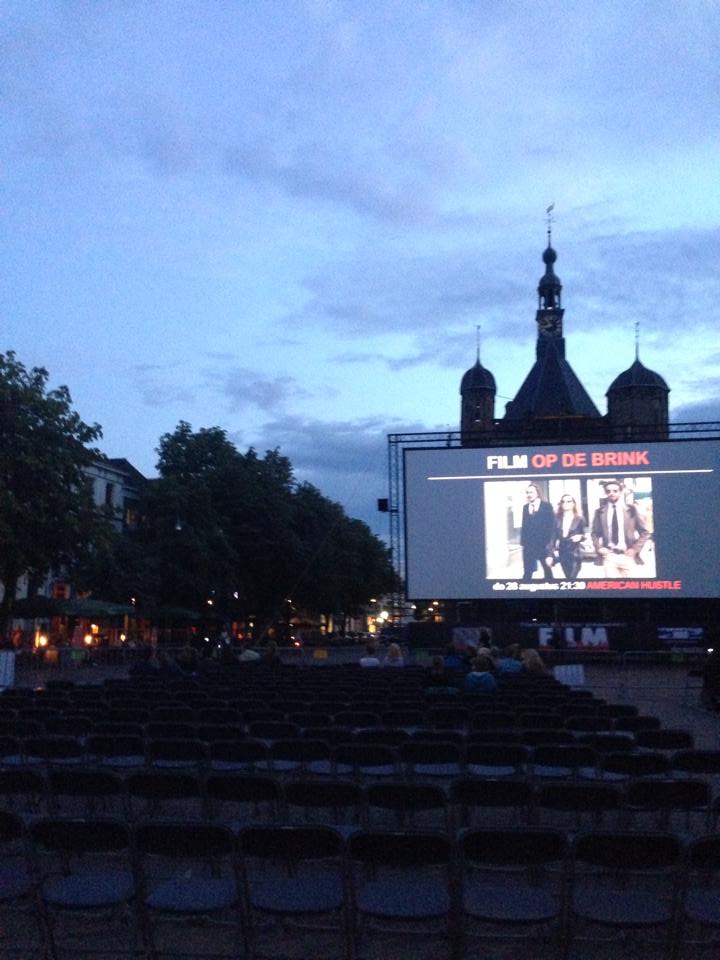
(549,324)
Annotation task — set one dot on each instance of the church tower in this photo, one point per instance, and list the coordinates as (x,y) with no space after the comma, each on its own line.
(477,404)
(551,400)
(638,403)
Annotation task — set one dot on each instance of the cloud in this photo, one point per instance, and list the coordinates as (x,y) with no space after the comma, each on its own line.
(244,388)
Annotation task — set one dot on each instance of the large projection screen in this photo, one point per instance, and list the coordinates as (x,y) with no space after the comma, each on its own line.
(609,520)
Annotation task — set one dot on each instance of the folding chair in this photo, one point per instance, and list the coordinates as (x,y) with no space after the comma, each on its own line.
(188,871)
(239,799)
(363,761)
(623,888)
(86,885)
(339,804)
(512,884)
(23,934)
(699,918)
(660,799)
(497,801)
(562,760)
(401,885)
(496,759)
(82,792)
(166,794)
(410,805)
(576,800)
(293,875)
(431,759)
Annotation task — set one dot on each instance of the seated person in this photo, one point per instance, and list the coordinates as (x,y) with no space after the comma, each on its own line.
(393,657)
(509,660)
(439,679)
(533,662)
(481,678)
(371,658)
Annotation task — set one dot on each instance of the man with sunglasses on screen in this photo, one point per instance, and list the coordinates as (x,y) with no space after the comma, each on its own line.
(618,533)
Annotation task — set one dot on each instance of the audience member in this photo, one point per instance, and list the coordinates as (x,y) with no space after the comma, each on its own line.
(394,657)
(371,658)
(247,654)
(532,661)
(481,677)
(440,680)
(509,660)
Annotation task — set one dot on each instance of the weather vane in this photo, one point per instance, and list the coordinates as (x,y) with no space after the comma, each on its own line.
(549,217)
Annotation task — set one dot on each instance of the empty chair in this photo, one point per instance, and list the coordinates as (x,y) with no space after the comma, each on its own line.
(658,799)
(220,715)
(175,754)
(416,805)
(623,886)
(187,871)
(293,874)
(300,756)
(404,719)
(23,935)
(700,906)
(25,790)
(449,718)
(364,760)
(122,751)
(337,803)
(626,766)
(512,885)
(166,794)
(239,799)
(391,738)
(357,719)
(11,751)
(495,802)
(270,730)
(86,885)
(54,750)
(562,760)
(401,882)
(172,714)
(575,805)
(664,739)
(607,742)
(542,735)
(85,792)
(431,759)
(168,730)
(640,722)
(238,755)
(589,724)
(495,759)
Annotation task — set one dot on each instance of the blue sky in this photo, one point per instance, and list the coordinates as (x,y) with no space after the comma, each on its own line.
(287,219)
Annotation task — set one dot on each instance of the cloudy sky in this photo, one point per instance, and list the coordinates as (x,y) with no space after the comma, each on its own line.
(288,218)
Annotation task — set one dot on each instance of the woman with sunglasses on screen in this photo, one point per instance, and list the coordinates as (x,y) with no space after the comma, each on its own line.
(570,530)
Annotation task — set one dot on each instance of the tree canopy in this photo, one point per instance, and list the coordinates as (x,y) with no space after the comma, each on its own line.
(47,516)
(238,530)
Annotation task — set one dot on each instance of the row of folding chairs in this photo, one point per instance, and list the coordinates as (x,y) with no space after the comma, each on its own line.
(237,798)
(94,885)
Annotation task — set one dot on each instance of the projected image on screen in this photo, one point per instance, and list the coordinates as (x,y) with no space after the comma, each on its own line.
(569,529)
(616,520)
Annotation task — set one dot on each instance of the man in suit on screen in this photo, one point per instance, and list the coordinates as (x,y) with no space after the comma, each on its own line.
(618,533)
(537,533)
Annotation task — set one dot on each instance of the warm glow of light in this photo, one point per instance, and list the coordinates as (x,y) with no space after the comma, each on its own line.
(88,639)
(94,628)
(41,640)
(384,615)
(296,643)
(123,638)
(210,603)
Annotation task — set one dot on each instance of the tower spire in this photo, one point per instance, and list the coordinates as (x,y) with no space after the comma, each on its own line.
(637,339)
(478,328)
(549,220)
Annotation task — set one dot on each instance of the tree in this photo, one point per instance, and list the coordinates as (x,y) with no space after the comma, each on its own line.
(48,519)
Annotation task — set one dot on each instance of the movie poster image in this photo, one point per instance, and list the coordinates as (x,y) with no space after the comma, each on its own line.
(569,529)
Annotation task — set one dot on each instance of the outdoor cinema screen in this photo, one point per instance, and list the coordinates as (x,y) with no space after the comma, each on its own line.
(609,520)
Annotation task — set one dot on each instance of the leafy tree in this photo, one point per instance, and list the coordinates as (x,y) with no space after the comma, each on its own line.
(48,518)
